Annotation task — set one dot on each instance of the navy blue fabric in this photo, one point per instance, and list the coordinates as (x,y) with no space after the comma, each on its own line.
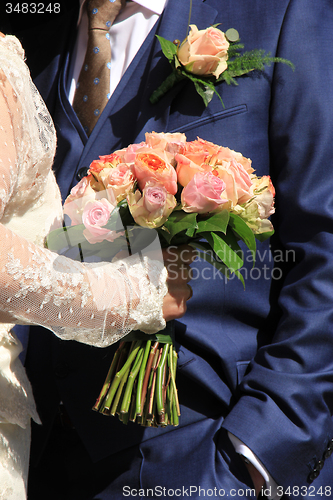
(256,362)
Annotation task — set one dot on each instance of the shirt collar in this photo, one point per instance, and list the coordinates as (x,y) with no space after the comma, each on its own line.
(155,6)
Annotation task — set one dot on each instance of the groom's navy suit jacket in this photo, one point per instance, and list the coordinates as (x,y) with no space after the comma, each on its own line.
(259,362)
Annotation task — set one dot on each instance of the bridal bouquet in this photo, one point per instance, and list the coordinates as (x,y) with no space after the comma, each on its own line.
(196,193)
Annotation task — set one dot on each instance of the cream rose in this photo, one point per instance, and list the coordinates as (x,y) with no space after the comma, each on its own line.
(204,52)
(152,207)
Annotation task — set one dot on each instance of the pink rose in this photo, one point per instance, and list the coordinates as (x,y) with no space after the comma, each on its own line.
(153,207)
(131,151)
(77,199)
(204,52)
(153,165)
(96,215)
(118,181)
(203,194)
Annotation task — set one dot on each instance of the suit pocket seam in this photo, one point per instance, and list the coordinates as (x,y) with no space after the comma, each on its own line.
(226,113)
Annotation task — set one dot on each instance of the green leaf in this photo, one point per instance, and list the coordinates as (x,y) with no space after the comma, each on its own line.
(169,49)
(120,217)
(204,87)
(241,64)
(177,222)
(206,92)
(242,230)
(204,251)
(223,251)
(105,251)
(264,236)
(65,237)
(217,222)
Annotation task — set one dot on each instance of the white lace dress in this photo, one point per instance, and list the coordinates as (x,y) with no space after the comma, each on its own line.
(92,303)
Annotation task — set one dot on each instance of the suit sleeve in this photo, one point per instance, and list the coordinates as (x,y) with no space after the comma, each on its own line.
(284,413)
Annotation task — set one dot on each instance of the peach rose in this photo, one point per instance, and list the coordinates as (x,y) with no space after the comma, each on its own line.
(173,143)
(153,207)
(154,165)
(96,215)
(226,154)
(203,194)
(204,52)
(107,161)
(187,168)
(195,158)
(235,170)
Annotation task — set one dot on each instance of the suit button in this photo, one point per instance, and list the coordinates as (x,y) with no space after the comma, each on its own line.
(328,453)
(313,475)
(61,370)
(330,445)
(319,465)
(81,173)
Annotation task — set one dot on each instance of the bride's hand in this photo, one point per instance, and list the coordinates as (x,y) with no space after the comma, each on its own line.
(177,261)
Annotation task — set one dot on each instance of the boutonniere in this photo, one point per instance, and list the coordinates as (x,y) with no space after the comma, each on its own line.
(208,57)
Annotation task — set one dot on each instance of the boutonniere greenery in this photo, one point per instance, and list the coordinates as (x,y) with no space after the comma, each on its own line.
(208,57)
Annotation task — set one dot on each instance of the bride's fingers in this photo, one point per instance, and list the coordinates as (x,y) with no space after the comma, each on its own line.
(174,305)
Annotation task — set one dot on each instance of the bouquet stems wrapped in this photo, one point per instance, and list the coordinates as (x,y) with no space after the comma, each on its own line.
(141,383)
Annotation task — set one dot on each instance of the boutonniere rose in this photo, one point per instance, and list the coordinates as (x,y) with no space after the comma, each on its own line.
(204,52)
(208,57)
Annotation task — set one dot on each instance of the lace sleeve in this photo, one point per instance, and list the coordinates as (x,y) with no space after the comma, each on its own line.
(92,303)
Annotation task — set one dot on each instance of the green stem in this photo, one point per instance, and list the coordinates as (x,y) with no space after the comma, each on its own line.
(150,413)
(109,376)
(118,377)
(168,83)
(147,373)
(138,410)
(116,400)
(129,386)
(132,409)
(173,365)
(159,385)
(175,414)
